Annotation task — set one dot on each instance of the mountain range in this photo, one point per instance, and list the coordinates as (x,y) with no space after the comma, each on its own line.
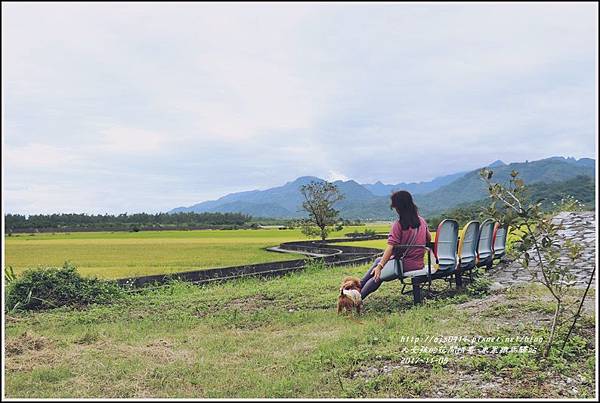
(371,201)
(381,189)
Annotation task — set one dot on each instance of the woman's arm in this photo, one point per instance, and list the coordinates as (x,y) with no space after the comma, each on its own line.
(386,257)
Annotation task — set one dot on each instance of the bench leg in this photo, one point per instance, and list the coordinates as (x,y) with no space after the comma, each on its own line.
(417,297)
(459,282)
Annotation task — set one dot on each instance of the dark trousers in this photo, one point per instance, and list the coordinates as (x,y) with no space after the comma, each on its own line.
(368,284)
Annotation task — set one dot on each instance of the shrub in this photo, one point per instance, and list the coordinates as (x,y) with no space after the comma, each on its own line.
(313,265)
(538,247)
(52,287)
(366,232)
(480,285)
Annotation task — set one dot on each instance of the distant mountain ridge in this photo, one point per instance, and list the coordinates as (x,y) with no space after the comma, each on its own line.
(470,187)
(381,189)
(371,201)
(279,202)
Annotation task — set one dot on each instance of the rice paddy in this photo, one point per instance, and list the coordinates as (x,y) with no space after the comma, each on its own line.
(129,254)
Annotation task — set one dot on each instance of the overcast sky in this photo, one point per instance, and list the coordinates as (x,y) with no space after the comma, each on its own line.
(111,108)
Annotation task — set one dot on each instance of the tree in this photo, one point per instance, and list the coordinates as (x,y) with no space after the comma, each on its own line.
(319,198)
(537,245)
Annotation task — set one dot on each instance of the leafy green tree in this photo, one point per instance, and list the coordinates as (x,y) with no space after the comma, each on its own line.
(319,198)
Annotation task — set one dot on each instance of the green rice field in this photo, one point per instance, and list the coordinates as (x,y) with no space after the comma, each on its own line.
(129,254)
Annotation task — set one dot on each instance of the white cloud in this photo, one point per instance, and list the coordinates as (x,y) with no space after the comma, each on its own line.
(131,141)
(188,100)
(37,156)
(336,176)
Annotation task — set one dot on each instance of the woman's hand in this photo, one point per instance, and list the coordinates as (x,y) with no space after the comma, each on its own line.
(389,250)
(377,272)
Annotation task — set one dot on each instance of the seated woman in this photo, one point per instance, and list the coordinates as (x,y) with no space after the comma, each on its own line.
(409,229)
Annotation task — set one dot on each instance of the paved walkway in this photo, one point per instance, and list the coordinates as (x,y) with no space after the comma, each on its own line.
(579,227)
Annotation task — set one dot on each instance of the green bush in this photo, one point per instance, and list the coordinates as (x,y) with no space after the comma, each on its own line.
(52,287)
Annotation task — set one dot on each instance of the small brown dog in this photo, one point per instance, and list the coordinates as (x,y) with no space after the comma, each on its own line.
(349,298)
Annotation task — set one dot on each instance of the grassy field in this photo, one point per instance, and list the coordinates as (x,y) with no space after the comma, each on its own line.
(282,338)
(128,254)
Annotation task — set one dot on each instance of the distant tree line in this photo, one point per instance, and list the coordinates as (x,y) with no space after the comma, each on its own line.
(18,222)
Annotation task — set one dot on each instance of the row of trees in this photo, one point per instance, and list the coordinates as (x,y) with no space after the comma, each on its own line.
(41,221)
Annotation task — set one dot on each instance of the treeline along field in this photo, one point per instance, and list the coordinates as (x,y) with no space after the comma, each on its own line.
(15,223)
(129,254)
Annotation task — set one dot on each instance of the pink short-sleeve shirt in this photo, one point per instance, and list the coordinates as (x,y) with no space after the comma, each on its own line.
(413,260)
